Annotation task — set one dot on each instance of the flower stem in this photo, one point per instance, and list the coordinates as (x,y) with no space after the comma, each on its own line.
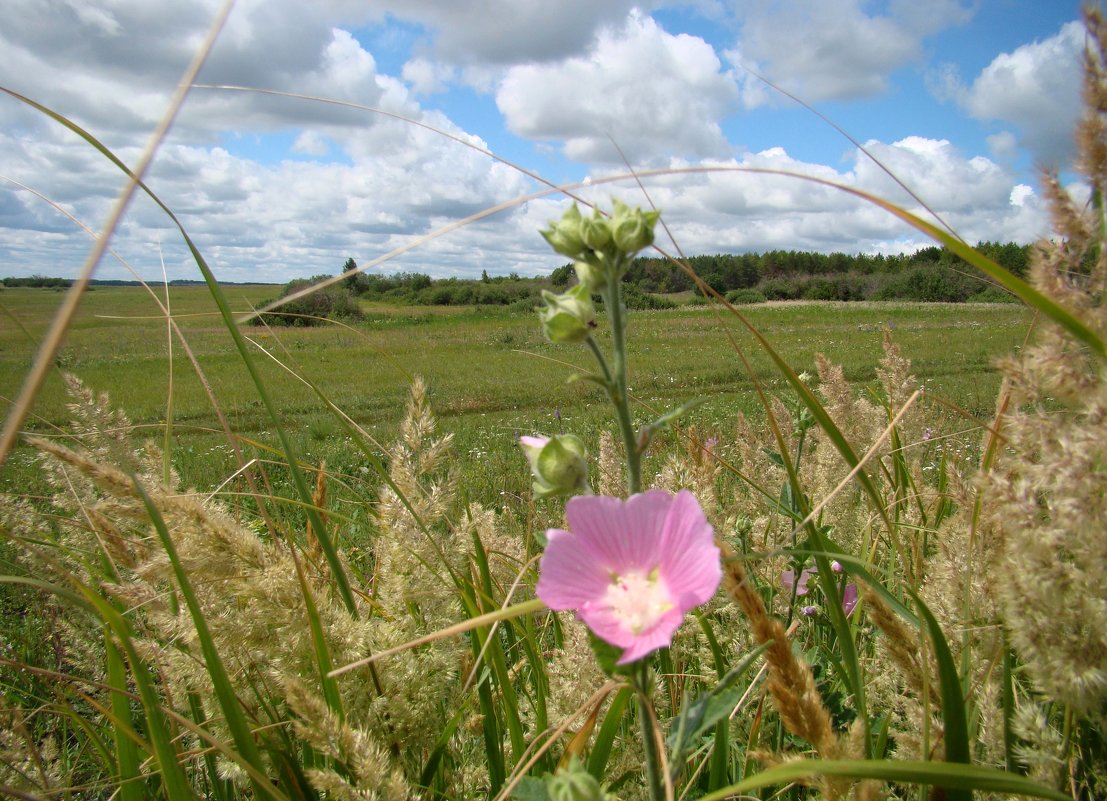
(647,720)
(613,299)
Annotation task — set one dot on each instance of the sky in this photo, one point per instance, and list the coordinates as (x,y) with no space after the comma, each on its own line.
(454,108)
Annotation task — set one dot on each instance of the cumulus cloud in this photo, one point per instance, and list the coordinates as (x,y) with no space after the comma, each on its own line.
(272,187)
(653,93)
(227,168)
(427,77)
(511,31)
(834,49)
(1037,88)
(761,202)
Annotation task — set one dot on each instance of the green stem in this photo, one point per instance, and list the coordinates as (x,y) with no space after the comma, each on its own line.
(646,719)
(613,298)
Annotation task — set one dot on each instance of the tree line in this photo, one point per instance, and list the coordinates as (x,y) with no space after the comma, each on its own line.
(930,274)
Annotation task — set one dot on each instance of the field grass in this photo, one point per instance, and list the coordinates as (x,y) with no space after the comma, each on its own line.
(490,373)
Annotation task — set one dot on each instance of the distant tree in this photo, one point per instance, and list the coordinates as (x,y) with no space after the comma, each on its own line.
(350,270)
(562,275)
(334,302)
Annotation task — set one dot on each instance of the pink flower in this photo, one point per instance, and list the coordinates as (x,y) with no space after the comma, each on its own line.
(849,598)
(788,580)
(849,592)
(631,569)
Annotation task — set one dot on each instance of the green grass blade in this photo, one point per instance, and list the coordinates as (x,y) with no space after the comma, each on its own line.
(221,683)
(329,684)
(492,647)
(951,776)
(609,730)
(955,722)
(131,786)
(174,781)
(219,788)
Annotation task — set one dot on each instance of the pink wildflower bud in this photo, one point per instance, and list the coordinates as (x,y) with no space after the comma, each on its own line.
(849,599)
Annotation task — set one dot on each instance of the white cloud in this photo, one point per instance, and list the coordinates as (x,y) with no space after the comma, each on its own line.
(311,143)
(653,93)
(1037,88)
(1021,194)
(259,213)
(833,49)
(511,31)
(427,77)
(735,208)
(1003,145)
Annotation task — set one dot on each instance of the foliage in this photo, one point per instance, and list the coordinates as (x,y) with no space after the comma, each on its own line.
(742,297)
(334,302)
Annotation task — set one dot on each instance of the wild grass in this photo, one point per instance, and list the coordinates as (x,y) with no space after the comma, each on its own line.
(345,609)
(491,373)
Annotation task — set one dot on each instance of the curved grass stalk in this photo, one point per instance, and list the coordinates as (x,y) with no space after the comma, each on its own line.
(507,613)
(49,348)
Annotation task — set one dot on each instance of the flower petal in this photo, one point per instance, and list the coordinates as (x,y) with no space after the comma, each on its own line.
(566,580)
(658,637)
(619,535)
(690,562)
(849,598)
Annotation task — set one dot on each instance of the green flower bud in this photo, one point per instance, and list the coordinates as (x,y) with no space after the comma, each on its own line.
(558,464)
(595,231)
(592,275)
(575,783)
(632,229)
(564,236)
(568,317)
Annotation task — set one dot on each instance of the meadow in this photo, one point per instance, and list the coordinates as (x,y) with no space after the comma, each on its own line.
(490,372)
(781,551)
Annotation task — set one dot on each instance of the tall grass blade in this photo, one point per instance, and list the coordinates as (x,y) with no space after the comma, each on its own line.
(962,779)
(126,752)
(174,781)
(609,730)
(955,723)
(224,692)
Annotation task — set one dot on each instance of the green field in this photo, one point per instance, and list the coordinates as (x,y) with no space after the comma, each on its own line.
(490,374)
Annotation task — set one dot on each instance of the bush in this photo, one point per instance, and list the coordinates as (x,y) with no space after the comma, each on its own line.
(781,289)
(746,296)
(993,294)
(334,302)
(636,299)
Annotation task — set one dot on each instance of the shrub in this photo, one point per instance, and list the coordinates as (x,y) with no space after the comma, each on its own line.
(742,297)
(993,294)
(636,299)
(334,302)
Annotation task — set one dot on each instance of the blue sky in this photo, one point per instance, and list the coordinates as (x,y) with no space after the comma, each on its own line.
(961,99)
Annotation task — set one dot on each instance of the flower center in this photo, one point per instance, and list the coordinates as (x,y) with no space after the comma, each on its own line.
(637,600)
